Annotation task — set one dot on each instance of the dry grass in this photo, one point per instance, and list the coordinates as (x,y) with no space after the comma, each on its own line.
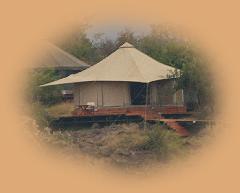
(126,144)
(61,109)
(128,136)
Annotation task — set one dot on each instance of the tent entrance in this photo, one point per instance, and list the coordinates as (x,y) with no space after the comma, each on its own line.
(138,93)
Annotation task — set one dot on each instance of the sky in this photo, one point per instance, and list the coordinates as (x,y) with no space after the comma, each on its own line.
(111,30)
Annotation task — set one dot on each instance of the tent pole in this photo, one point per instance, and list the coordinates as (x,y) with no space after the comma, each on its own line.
(146,105)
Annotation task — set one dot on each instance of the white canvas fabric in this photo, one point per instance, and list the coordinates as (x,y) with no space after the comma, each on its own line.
(102,93)
(125,64)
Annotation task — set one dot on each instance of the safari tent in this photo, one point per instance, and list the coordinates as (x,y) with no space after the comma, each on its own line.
(127,77)
(64,64)
(54,57)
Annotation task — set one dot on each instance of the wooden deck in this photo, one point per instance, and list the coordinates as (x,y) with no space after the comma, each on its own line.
(147,113)
(175,117)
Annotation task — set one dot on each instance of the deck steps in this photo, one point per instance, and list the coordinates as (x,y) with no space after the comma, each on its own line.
(177,127)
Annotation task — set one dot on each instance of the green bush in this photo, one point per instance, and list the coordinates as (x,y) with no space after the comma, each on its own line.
(163,142)
(40,115)
(44,95)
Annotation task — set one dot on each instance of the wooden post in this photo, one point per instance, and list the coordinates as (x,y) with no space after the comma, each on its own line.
(146,105)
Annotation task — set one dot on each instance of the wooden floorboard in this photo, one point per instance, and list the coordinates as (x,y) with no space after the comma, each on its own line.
(147,113)
(184,120)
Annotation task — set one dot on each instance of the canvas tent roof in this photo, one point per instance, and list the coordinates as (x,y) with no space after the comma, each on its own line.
(125,64)
(54,57)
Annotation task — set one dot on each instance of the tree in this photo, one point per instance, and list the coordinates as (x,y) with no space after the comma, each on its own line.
(169,48)
(78,44)
(103,46)
(44,95)
(126,36)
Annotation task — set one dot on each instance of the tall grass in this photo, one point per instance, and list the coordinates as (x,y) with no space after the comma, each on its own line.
(40,115)
(163,142)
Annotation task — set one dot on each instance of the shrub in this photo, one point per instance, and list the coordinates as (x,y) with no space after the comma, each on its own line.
(44,95)
(163,142)
(40,115)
